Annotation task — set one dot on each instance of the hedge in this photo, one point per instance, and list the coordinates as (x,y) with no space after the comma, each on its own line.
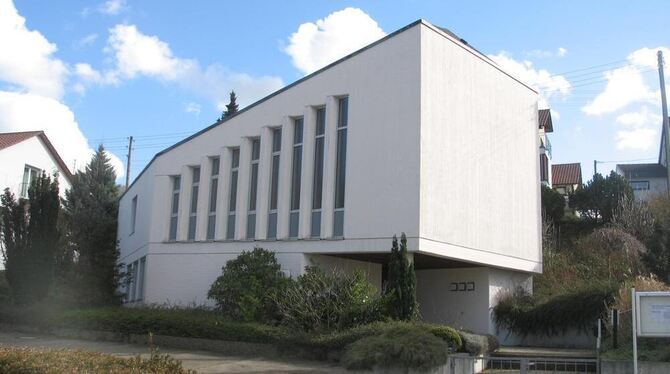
(524,315)
(28,361)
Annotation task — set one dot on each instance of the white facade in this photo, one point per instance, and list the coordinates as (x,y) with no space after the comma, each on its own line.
(32,154)
(430,124)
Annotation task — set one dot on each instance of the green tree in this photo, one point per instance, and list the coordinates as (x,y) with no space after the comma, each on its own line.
(598,199)
(553,204)
(30,239)
(91,209)
(401,286)
(231,107)
(248,282)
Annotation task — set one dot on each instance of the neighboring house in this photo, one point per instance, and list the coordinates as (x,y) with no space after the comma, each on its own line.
(404,135)
(648,180)
(566,178)
(24,156)
(545,126)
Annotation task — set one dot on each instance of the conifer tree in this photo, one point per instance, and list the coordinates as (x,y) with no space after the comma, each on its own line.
(231,107)
(401,286)
(14,224)
(91,208)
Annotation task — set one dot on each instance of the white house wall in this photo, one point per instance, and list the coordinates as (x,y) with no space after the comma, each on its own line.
(30,152)
(479,163)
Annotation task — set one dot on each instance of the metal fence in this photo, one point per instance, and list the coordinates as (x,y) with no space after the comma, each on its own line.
(522,365)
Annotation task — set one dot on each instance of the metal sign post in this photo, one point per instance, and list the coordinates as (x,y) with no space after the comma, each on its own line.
(632,298)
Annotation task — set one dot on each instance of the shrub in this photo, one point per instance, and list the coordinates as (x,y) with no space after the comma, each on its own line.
(524,314)
(401,347)
(401,287)
(475,344)
(553,204)
(243,291)
(27,360)
(322,302)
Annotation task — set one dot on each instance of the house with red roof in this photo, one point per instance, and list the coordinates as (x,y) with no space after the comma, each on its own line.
(24,156)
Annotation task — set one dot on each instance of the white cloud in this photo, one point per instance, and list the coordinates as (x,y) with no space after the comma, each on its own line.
(27,112)
(636,139)
(27,60)
(87,40)
(192,108)
(547,84)
(36,80)
(643,118)
(112,7)
(542,53)
(627,85)
(135,54)
(316,44)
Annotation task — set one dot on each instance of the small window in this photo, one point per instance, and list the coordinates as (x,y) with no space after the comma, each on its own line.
(133,214)
(29,175)
(639,185)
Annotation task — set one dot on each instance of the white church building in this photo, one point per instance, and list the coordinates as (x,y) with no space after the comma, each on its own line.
(417,133)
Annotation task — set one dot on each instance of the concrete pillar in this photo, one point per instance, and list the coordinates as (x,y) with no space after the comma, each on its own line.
(243,180)
(184,202)
(306,185)
(224,193)
(330,155)
(264,169)
(203,198)
(285,169)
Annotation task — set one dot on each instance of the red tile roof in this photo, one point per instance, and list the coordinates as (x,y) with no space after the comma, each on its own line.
(9,139)
(544,120)
(562,174)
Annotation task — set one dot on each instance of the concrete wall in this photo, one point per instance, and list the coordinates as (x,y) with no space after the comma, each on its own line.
(480,198)
(30,152)
(657,186)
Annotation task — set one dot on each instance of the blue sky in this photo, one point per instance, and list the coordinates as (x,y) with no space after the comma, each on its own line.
(90,72)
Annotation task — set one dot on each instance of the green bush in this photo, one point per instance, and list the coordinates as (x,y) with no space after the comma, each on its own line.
(244,289)
(475,344)
(404,347)
(523,314)
(323,302)
(28,361)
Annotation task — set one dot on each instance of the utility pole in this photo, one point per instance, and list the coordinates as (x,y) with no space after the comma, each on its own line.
(595,167)
(664,105)
(130,153)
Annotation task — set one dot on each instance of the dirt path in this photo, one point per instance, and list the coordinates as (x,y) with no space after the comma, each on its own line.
(203,362)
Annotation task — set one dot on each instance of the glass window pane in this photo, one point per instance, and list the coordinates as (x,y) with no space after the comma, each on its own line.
(338,225)
(215,166)
(318,174)
(236,158)
(343,113)
(230,229)
(191,227)
(320,121)
(256,149)
(175,203)
(272,226)
(251,226)
(274,187)
(233,192)
(340,171)
(276,140)
(316,225)
(173,229)
(253,187)
(196,175)
(194,199)
(140,282)
(213,192)
(211,227)
(295,177)
(293,224)
(176,183)
(297,134)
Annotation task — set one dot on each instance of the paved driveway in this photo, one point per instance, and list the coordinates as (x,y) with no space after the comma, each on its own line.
(203,362)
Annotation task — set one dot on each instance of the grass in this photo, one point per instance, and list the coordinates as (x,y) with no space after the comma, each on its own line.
(32,361)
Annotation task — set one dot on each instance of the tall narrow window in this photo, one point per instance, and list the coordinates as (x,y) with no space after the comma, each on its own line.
(213,195)
(296,174)
(140,280)
(133,282)
(29,175)
(129,283)
(253,188)
(274,184)
(317,190)
(133,214)
(232,202)
(174,213)
(340,168)
(193,213)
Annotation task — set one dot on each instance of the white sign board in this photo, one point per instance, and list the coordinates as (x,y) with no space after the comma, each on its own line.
(652,314)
